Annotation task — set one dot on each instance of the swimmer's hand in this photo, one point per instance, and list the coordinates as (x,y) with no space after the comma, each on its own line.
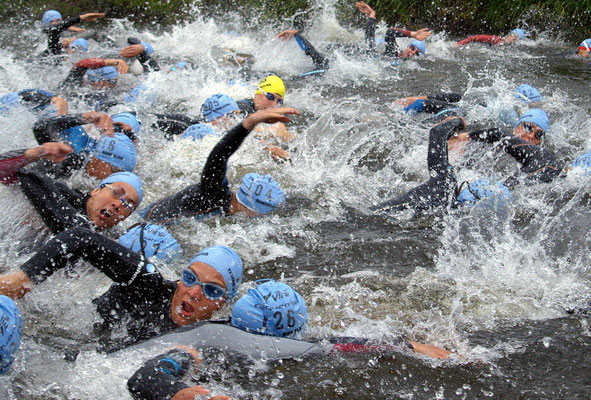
(287,34)
(66,42)
(52,151)
(268,116)
(407,101)
(132,51)
(421,34)
(430,351)
(101,120)
(190,393)
(278,153)
(90,17)
(193,353)
(61,105)
(15,284)
(121,65)
(365,9)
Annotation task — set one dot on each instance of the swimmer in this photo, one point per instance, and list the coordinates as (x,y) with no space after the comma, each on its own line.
(257,194)
(512,37)
(141,299)
(75,45)
(11,330)
(321,63)
(143,52)
(60,207)
(414,49)
(270,93)
(38,101)
(54,25)
(97,73)
(584,48)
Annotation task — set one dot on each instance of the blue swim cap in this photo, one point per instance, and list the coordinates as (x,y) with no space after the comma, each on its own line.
(129,178)
(118,151)
(50,15)
(528,93)
(415,107)
(482,188)
(586,44)
(197,132)
(11,329)
(272,308)
(520,33)
(77,137)
(536,116)
(148,48)
(419,44)
(261,194)
(584,162)
(129,119)
(134,94)
(150,240)
(79,44)
(227,262)
(103,74)
(217,106)
(9,101)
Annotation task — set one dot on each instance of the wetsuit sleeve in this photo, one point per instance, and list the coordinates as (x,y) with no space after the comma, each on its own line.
(437,157)
(10,164)
(434,106)
(537,162)
(36,97)
(320,61)
(390,39)
(76,75)
(54,31)
(159,378)
(370,35)
(47,130)
(175,124)
(119,263)
(450,97)
(488,135)
(144,59)
(489,39)
(53,201)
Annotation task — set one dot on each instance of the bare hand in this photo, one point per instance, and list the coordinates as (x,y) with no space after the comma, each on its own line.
(365,9)
(132,51)
(430,351)
(101,120)
(15,284)
(66,42)
(421,34)
(90,17)
(52,151)
(407,101)
(194,353)
(76,29)
(61,105)
(190,393)
(268,116)
(287,34)
(121,65)
(278,153)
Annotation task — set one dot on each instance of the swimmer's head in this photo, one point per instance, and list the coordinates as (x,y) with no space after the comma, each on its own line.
(197,132)
(11,329)
(128,124)
(179,66)
(147,48)
(79,44)
(517,32)
(260,194)
(585,48)
(151,240)
(110,155)
(9,102)
(272,308)
(532,126)
(212,277)
(218,106)
(583,163)
(51,17)
(481,189)
(115,198)
(528,94)
(270,93)
(414,48)
(104,76)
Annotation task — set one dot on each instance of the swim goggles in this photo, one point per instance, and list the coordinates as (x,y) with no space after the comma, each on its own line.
(412,47)
(118,193)
(271,97)
(529,127)
(211,291)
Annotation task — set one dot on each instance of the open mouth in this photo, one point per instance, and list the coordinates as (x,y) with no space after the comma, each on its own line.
(106,214)
(186,309)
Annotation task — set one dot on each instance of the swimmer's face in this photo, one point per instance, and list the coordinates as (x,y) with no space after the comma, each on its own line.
(111,204)
(529,132)
(100,169)
(189,304)
(510,38)
(227,121)
(410,51)
(261,102)
(583,52)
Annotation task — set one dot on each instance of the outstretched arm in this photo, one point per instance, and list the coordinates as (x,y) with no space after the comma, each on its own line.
(319,60)
(13,161)
(437,157)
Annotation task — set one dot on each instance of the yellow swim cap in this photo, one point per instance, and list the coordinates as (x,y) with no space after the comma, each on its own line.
(272,84)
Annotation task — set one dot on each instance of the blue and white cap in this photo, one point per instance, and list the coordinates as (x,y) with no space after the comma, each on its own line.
(483,188)
(79,44)
(129,119)
(419,44)
(227,262)
(9,102)
(520,33)
(50,15)
(536,116)
(272,308)
(528,93)
(151,240)
(101,74)
(217,106)
(261,194)
(118,151)
(148,48)
(584,163)
(11,330)
(197,132)
(77,137)
(585,45)
(129,178)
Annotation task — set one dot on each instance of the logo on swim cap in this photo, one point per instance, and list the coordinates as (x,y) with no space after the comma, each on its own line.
(227,262)
(197,132)
(261,194)
(118,151)
(272,308)
(483,188)
(108,74)
(11,329)
(151,240)
(217,106)
(50,16)
(528,93)
(272,84)
(536,116)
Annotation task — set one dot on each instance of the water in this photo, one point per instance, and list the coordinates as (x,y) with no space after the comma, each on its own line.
(492,286)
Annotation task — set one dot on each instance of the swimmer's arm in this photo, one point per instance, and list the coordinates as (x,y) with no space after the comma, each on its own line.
(320,61)
(536,160)
(47,130)
(13,161)
(64,25)
(77,72)
(35,96)
(445,96)
(488,135)
(142,56)
(429,350)
(490,39)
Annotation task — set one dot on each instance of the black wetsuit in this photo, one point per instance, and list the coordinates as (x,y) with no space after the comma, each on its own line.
(536,162)
(148,63)
(246,106)
(35,99)
(440,190)
(175,124)
(211,195)
(319,60)
(54,45)
(391,45)
(140,298)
